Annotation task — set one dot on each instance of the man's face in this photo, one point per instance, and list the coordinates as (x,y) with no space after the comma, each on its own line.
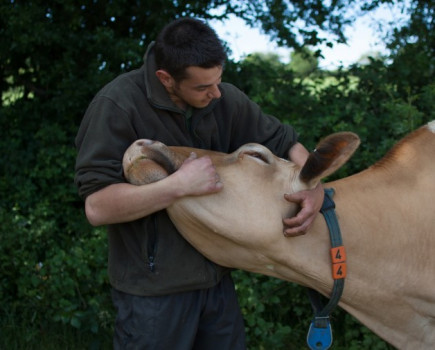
(199,88)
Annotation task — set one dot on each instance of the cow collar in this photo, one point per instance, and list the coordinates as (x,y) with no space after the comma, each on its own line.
(320,333)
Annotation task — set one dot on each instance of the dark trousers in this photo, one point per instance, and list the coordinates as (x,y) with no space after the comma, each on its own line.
(204,319)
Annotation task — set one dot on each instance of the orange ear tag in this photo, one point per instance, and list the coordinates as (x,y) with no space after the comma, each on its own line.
(339,267)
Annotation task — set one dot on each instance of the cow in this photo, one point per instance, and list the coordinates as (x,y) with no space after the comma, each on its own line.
(386,214)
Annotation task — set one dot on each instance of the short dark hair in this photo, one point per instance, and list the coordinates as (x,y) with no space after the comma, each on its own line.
(188,42)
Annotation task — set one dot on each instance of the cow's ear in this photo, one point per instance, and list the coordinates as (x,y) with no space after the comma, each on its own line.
(330,154)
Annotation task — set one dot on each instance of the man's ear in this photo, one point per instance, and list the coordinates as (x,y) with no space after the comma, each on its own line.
(165,78)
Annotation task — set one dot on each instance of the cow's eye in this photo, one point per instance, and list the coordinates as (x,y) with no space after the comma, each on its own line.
(258,155)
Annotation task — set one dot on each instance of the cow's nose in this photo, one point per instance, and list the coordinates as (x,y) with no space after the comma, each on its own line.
(144,142)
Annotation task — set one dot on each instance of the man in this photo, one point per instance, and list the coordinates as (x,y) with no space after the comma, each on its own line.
(167,295)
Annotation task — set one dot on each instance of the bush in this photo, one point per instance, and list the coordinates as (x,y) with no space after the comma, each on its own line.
(53,264)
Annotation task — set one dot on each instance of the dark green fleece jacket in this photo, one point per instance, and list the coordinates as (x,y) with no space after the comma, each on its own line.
(148,256)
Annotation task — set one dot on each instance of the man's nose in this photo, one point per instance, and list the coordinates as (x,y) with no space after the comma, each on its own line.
(215,92)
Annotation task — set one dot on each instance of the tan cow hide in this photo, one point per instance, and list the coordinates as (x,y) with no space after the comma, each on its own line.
(386,214)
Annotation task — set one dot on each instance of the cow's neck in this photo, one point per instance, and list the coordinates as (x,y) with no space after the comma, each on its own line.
(369,207)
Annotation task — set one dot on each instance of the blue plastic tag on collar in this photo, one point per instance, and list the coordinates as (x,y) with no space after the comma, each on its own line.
(320,335)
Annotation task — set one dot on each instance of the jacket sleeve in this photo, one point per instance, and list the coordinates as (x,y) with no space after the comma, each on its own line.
(104,135)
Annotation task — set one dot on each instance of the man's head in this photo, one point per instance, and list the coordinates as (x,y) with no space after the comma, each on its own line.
(190,58)
(188,42)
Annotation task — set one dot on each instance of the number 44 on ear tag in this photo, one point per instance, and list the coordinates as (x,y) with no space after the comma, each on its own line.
(320,334)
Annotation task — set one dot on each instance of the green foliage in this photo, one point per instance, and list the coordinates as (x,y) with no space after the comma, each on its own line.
(296,23)
(275,311)
(53,266)
(369,100)
(55,55)
(303,62)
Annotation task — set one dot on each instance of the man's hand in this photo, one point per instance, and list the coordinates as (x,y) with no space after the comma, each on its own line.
(198,176)
(310,202)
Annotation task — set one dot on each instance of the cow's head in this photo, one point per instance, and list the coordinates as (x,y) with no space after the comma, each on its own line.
(147,161)
(230,225)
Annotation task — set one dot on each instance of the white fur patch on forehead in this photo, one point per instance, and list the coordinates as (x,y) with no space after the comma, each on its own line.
(431,126)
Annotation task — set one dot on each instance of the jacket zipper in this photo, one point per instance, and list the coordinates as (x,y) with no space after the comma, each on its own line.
(152,245)
(196,140)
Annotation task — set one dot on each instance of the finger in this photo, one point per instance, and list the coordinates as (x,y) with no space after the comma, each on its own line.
(298,224)
(305,215)
(297,197)
(218,186)
(192,156)
(217,182)
(298,230)
(294,232)
(295,221)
